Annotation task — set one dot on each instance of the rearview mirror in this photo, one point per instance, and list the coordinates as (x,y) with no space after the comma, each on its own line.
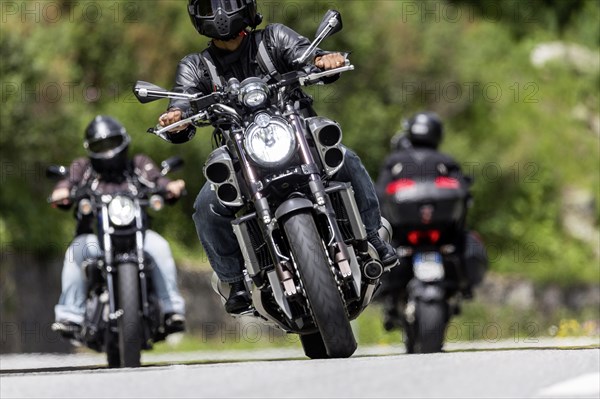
(56,172)
(330,24)
(145,91)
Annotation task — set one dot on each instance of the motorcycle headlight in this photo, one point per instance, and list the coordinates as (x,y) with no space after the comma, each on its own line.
(85,206)
(254,93)
(269,140)
(121,211)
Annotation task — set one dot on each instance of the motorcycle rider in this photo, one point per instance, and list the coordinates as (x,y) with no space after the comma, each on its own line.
(238,50)
(415,155)
(110,170)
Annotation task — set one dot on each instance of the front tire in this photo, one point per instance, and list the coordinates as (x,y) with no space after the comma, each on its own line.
(430,319)
(130,323)
(321,288)
(113,356)
(313,346)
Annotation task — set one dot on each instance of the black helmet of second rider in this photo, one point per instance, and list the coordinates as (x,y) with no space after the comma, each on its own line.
(424,129)
(107,142)
(223,19)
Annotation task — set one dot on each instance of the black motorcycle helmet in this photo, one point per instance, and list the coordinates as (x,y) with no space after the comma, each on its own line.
(223,19)
(425,129)
(106,142)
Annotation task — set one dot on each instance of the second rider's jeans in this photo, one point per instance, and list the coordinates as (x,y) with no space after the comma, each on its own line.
(71,305)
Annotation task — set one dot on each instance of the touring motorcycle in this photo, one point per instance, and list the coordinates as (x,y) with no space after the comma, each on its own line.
(308,264)
(428,218)
(122,312)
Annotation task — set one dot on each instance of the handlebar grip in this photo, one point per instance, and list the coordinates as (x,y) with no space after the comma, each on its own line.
(63,204)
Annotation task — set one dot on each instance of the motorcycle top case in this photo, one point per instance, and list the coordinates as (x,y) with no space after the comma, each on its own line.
(418,203)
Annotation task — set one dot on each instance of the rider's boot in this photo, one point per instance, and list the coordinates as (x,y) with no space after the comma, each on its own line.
(387,253)
(239,298)
(174,322)
(68,329)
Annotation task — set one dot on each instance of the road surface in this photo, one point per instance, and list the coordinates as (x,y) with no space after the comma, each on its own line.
(541,369)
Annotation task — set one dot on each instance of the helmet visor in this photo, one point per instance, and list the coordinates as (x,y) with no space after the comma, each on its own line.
(208,8)
(105,145)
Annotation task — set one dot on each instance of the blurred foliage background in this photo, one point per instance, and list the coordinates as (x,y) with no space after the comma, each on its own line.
(524,122)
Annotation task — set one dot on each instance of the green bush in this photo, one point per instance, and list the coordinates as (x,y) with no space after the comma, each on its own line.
(511,124)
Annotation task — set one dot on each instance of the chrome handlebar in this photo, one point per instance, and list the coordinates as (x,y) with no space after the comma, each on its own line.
(203,115)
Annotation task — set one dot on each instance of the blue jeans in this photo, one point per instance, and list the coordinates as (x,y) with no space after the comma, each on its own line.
(71,305)
(213,220)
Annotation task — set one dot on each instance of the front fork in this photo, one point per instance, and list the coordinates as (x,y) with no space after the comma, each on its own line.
(323,205)
(115,313)
(340,253)
(139,244)
(265,219)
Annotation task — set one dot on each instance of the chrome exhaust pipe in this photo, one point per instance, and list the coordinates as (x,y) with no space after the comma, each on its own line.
(373,270)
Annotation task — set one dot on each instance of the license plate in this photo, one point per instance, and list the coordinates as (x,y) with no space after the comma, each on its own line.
(428,266)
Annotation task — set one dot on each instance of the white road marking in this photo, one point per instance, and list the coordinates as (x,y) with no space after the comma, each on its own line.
(586,385)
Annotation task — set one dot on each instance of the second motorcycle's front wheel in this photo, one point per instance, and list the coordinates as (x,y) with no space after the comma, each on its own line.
(321,288)
(130,322)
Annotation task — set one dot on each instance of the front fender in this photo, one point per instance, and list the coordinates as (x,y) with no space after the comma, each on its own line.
(292,205)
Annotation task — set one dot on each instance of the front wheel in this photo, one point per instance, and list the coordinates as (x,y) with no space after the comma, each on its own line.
(130,322)
(321,289)
(313,346)
(113,356)
(430,319)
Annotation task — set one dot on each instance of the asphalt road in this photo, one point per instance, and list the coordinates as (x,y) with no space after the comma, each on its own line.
(544,369)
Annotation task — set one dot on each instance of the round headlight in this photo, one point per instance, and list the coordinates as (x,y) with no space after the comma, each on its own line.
(85,206)
(269,140)
(254,93)
(121,211)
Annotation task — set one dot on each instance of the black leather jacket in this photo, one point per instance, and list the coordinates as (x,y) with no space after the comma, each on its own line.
(141,170)
(283,47)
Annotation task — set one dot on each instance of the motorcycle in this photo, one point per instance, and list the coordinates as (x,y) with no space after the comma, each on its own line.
(308,266)
(428,217)
(122,313)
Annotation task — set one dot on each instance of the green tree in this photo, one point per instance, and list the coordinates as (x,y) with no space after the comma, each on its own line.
(462,59)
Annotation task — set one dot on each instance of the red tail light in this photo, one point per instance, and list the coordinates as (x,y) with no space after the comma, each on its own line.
(430,236)
(397,185)
(413,237)
(434,236)
(447,182)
